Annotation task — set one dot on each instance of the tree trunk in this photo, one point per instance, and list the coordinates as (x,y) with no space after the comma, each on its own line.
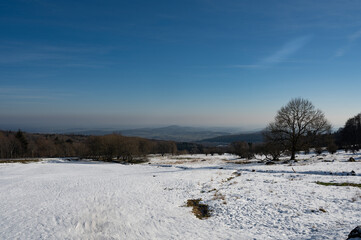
(293,155)
(293,148)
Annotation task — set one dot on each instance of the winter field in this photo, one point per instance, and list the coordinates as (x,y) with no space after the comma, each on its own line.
(60,199)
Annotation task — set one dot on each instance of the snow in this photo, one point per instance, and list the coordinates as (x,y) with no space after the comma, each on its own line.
(59,199)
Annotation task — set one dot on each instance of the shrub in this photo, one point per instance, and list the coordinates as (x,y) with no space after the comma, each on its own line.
(332,148)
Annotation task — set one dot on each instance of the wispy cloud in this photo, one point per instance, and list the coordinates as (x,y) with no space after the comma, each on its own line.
(356,35)
(244,66)
(9,93)
(341,51)
(58,56)
(28,57)
(350,40)
(29,97)
(281,55)
(285,51)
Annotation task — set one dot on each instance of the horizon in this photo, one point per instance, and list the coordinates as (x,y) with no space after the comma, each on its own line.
(65,130)
(227,130)
(197,63)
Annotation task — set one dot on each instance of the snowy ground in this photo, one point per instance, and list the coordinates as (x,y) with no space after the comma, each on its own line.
(57,199)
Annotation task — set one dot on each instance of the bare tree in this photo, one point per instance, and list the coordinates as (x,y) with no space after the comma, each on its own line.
(296,124)
(242,149)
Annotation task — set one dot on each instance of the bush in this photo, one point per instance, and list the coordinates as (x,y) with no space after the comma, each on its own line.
(318,150)
(332,148)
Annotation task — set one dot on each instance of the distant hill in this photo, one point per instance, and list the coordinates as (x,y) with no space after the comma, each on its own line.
(213,136)
(255,137)
(96,132)
(174,133)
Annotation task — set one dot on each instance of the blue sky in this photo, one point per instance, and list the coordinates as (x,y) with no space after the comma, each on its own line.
(198,63)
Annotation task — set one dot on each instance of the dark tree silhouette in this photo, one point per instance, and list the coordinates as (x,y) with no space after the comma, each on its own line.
(20,136)
(296,124)
(350,134)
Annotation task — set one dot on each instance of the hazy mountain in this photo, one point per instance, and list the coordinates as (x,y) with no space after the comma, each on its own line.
(212,135)
(255,137)
(175,133)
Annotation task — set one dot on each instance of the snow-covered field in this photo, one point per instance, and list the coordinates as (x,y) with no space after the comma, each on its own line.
(57,199)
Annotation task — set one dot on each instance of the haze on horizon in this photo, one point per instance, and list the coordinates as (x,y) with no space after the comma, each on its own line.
(66,64)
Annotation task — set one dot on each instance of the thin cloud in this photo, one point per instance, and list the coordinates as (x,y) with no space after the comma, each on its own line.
(280,56)
(28,57)
(245,66)
(351,39)
(58,56)
(20,97)
(15,93)
(356,35)
(341,51)
(286,51)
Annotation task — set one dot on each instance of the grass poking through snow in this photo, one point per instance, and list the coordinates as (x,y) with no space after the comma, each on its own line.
(25,160)
(344,184)
(200,210)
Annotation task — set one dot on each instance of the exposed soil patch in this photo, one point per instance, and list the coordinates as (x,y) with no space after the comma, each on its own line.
(200,210)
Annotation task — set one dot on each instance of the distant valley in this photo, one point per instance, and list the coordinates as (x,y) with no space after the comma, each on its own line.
(208,136)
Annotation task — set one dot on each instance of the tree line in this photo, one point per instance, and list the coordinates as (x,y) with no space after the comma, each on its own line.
(112,147)
(109,147)
(298,126)
(349,136)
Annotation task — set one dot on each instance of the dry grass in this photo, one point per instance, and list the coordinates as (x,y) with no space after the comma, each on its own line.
(200,210)
(25,160)
(228,179)
(183,158)
(242,162)
(344,184)
(235,182)
(174,161)
(356,197)
(218,196)
(234,175)
(138,160)
(322,210)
